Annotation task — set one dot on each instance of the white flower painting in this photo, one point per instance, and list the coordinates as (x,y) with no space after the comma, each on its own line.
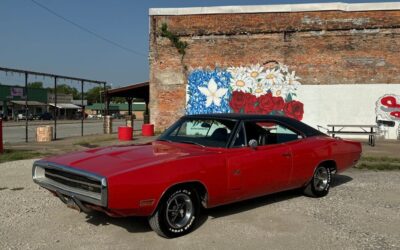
(213,93)
(259,80)
(242,82)
(274,76)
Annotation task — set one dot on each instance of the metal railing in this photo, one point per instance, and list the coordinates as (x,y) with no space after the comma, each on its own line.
(26,74)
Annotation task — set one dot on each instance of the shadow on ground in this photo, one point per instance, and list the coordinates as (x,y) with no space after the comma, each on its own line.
(131,224)
(246,205)
(340,179)
(140,224)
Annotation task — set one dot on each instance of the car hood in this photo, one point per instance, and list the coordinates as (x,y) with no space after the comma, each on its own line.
(108,161)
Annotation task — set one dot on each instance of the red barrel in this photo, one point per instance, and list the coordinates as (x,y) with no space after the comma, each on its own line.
(148,129)
(125,133)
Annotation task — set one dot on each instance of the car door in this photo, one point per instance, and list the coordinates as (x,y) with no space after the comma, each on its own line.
(238,156)
(254,171)
(276,166)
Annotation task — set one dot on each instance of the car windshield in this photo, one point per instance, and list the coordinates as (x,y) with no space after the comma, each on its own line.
(202,132)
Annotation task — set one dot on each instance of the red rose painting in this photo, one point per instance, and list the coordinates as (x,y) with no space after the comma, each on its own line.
(294,109)
(265,89)
(279,103)
(265,103)
(238,101)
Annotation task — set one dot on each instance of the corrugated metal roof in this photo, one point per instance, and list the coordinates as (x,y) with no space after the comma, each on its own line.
(65,106)
(30,103)
(118,106)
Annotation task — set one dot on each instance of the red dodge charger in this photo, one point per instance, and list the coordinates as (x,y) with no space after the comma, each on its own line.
(200,161)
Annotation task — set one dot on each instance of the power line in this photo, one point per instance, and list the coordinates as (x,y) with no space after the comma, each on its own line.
(87,30)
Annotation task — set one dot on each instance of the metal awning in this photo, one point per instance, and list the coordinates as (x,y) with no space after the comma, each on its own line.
(65,106)
(138,91)
(30,103)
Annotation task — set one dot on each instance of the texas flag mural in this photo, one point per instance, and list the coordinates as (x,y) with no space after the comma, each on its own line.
(254,89)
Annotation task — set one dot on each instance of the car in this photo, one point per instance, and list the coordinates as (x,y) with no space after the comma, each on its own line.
(46,116)
(22,116)
(117,116)
(201,161)
(78,115)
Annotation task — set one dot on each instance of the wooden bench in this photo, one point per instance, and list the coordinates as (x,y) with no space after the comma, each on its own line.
(370,130)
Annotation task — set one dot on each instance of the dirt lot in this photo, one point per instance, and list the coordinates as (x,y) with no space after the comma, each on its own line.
(362,211)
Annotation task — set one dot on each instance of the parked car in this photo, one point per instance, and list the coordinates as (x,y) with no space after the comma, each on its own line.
(36,116)
(201,160)
(117,116)
(46,116)
(22,116)
(78,115)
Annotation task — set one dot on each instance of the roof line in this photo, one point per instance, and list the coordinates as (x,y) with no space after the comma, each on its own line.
(129,87)
(305,7)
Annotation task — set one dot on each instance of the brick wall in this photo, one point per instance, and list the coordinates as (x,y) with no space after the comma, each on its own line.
(329,47)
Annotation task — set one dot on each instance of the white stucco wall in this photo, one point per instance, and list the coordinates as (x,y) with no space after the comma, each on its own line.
(344,104)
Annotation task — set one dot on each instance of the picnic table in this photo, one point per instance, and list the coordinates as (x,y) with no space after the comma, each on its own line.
(370,130)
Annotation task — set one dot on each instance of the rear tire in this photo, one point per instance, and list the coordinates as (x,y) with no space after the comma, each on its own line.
(320,183)
(177,213)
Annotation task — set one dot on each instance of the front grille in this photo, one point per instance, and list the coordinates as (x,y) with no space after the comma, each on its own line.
(73,180)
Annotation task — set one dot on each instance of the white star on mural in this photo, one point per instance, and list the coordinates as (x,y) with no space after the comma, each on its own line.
(212,92)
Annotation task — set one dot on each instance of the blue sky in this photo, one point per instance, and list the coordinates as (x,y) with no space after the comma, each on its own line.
(32,38)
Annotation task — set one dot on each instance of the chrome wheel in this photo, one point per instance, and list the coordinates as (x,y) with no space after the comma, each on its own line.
(179,210)
(321,179)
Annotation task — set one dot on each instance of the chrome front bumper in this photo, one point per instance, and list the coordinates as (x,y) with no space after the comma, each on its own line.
(76,184)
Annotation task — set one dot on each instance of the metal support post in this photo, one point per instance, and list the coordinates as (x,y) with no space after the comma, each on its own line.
(105,100)
(82,108)
(1,136)
(55,108)
(26,107)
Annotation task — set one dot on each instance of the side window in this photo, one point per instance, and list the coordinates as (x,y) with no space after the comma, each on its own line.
(285,134)
(239,138)
(200,128)
(268,133)
(214,133)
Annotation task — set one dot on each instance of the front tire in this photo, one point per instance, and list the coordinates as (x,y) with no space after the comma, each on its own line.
(320,183)
(177,213)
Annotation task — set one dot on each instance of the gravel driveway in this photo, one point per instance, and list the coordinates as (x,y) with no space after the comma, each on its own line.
(362,211)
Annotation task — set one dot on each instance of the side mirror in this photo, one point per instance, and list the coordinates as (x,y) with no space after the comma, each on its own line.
(253,144)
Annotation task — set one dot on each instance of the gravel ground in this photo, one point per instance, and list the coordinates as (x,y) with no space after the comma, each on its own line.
(362,211)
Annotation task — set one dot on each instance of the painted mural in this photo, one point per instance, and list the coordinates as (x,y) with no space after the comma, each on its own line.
(256,89)
(388,108)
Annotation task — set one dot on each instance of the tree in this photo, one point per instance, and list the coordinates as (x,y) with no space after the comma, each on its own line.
(61,88)
(95,94)
(66,89)
(36,85)
(119,99)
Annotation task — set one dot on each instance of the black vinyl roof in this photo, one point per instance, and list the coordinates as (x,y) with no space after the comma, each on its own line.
(290,122)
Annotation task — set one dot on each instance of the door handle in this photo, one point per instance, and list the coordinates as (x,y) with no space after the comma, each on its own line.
(287,154)
(236,172)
